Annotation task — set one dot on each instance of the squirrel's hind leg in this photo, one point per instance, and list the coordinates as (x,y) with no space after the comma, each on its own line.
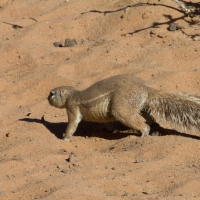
(133,120)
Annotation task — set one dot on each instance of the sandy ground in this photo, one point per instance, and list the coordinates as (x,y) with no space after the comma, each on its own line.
(113,37)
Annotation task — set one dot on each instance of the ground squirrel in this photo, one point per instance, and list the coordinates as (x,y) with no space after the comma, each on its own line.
(129,100)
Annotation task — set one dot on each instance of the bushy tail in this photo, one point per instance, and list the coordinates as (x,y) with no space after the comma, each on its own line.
(182,110)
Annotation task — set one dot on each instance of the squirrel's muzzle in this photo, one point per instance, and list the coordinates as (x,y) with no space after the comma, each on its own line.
(50,97)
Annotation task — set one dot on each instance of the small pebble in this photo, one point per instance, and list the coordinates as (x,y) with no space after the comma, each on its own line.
(139,161)
(57,44)
(172,27)
(145,192)
(8,134)
(71,157)
(59,167)
(64,171)
(125,194)
(152,32)
(28,114)
(196,38)
(15,26)
(111,148)
(194,165)
(70,42)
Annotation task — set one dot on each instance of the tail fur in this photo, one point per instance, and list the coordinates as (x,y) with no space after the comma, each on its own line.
(181,110)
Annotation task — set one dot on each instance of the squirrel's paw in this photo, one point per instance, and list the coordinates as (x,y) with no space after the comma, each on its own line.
(66,139)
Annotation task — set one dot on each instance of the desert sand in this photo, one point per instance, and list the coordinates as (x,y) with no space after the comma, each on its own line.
(113,37)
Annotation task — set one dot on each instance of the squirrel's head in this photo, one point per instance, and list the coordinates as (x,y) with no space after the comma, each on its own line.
(58,97)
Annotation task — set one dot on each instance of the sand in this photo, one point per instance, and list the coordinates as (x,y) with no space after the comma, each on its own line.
(113,37)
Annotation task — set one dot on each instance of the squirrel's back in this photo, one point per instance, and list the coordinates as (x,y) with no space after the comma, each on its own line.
(110,84)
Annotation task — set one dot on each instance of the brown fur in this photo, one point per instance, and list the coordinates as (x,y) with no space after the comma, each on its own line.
(127,99)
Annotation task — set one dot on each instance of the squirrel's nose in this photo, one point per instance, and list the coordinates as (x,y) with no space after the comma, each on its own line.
(52,93)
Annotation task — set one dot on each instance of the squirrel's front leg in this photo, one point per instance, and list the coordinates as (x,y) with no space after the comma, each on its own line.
(74,117)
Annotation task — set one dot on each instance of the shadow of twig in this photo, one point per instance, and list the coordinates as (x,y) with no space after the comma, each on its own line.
(190,4)
(157,24)
(132,6)
(196,11)
(15,26)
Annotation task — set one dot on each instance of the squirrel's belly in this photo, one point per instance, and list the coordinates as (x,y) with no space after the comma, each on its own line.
(98,112)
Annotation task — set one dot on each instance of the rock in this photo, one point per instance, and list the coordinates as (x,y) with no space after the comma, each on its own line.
(160,35)
(59,167)
(172,27)
(125,194)
(71,157)
(64,171)
(8,134)
(57,44)
(70,42)
(152,32)
(28,114)
(196,38)
(139,161)
(145,192)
